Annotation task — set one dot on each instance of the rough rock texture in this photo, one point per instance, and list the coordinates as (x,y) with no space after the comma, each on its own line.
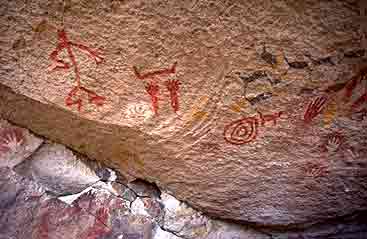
(262,119)
(58,170)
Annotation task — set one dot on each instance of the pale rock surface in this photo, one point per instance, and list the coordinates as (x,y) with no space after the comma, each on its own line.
(16,144)
(282,77)
(161,234)
(186,222)
(183,220)
(58,169)
(223,230)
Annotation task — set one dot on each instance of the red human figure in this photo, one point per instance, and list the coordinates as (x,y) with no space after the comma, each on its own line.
(73,97)
(314,108)
(173,87)
(153,90)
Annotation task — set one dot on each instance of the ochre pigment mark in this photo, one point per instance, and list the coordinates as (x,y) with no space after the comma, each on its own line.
(152,86)
(245,130)
(10,139)
(314,108)
(74,97)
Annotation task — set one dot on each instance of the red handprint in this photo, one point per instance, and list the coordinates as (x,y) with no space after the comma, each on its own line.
(10,139)
(315,170)
(333,142)
(314,108)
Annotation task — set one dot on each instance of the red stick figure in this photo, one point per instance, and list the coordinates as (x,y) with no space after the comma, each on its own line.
(314,108)
(74,96)
(153,89)
(245,130)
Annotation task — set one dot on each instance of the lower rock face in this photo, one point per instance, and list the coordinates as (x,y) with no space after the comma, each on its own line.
(58,170)
(108,209)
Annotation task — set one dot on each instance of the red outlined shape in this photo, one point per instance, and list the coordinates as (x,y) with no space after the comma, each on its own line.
(245,130)
(74,97)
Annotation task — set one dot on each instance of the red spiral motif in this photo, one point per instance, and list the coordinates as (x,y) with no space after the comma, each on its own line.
(241,131)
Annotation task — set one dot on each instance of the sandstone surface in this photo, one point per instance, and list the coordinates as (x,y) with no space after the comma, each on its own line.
(253,111)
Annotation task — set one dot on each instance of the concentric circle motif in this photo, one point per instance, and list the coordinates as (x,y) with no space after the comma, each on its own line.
(241,131)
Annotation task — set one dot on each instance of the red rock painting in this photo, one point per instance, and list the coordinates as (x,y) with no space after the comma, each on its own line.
(10,139)
(152,86)
(245,130)
(74,97)
(314,108)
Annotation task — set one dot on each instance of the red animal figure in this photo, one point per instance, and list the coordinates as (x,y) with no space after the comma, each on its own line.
(74,96)
(10,139)
(314,108)
(245,130)
(153,89)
